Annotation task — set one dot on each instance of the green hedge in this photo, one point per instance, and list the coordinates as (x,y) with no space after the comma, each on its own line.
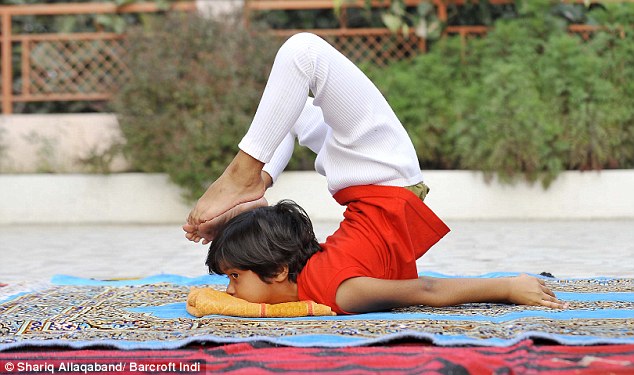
(194,87)
(529,99)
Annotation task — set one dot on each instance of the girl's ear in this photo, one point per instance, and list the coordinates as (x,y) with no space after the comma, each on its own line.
(282,276)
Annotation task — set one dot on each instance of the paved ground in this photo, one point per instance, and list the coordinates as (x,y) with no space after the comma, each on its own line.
(564,248)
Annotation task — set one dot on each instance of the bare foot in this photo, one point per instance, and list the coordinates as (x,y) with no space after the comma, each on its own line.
(241,182)
(208,230)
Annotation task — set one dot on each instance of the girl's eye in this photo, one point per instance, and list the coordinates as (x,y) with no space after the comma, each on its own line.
(234,276)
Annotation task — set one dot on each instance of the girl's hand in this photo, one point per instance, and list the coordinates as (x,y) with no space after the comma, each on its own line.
(529,290)
(208,230)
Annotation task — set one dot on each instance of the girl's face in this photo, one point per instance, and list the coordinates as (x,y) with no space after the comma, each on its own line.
(248,286)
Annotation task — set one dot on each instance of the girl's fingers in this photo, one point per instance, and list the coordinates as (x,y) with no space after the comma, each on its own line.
(554,303)
(548,291)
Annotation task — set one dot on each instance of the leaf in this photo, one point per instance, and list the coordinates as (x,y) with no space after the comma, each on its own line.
(104,20)
(570,12)
(120,3)
(434,30)
(119,24)
(398,8)
(163,4)
(421,29)
(405,29)
(337,4)
(67,24)
(392,22)
(112,22)
(425,9)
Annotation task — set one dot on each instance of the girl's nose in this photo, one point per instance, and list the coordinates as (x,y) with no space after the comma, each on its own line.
(230,289)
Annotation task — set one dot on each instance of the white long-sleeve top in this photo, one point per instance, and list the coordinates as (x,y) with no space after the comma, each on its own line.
(349,124)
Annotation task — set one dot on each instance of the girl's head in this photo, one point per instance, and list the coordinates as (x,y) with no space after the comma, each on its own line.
(266,241)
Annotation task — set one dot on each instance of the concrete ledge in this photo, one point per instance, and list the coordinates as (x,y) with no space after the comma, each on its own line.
(152,198)
(573,195)
(78,199)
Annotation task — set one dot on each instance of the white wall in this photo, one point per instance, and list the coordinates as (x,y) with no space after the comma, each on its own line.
(151,198)
(466,195)
(573,195)
(57,143)
(84,198)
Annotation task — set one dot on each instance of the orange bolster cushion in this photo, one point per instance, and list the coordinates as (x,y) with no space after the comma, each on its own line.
(208,301)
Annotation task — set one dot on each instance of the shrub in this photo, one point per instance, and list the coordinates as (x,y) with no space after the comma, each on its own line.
(616,49)
(194,86)
(528,99)
(422,93)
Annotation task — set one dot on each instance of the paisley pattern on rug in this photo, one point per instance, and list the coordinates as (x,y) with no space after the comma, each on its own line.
(153,316)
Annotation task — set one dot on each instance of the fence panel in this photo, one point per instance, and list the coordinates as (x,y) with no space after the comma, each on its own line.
(379,45)
(88,66)
(376,45)
(66,66)
(71,67)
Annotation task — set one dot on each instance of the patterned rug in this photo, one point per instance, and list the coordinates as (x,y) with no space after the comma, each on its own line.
(525,357)
(150,314)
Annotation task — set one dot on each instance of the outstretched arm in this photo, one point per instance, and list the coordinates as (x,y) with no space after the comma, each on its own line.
(366,294)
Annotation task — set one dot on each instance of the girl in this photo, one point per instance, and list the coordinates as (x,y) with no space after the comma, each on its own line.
(369,263)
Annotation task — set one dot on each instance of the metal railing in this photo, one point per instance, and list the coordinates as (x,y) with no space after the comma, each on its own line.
(65,66)
(377,45)
(380,45)
(88,66)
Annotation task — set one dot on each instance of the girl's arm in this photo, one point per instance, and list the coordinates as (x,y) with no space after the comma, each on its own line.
(366,294)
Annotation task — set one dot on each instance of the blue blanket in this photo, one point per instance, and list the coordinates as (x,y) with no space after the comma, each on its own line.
(150,314)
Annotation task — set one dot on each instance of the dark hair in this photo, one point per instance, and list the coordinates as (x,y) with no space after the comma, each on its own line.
(264,240)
